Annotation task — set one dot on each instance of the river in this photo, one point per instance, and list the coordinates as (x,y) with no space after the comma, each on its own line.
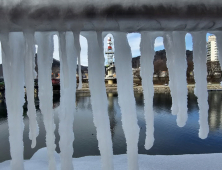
(169,138)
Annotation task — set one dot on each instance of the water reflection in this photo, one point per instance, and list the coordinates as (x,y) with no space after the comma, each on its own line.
(112,113)
(83,101)
(3,111)
(169,138)
(215,110)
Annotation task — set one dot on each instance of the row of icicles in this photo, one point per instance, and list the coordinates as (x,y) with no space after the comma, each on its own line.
(18,51)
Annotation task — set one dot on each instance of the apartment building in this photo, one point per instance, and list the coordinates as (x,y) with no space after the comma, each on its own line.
(212,52)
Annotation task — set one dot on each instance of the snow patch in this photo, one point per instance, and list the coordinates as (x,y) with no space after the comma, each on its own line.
(158,162)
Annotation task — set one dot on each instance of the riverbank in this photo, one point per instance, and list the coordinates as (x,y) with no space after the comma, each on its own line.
(137,88)
(159,162)
(157,88)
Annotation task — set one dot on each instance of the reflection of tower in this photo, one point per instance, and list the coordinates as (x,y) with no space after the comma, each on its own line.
(111,111)
(110,67)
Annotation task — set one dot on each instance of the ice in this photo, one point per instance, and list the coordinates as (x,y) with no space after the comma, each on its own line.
(102,15)
(67,100)
(18,65)
(174,43)
(200,75)
(63,56)
(168,43)
(219,47)
(30,75)
(147,69)
(123,63)
(44,58)
(99,99)
(78,49)
(13,51)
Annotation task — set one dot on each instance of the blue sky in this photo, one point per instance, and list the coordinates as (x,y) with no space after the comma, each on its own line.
(134,42)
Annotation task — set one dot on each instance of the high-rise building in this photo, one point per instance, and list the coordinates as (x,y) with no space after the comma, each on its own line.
(212,52)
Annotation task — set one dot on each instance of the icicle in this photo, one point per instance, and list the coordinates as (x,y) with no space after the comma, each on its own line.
(146,61)
(99,100)
(67,101)
(44,58)
(78,49)
(172,78)
(29,83)
(100,40)
(200,75)
(123,63)
(181,74)
(62,49)
(13,70)
(219,47)
(176,62)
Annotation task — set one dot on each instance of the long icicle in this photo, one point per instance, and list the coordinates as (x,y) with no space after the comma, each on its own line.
(219,47)
(123,63)
(176,62)
(99,100)
(78,50)
(63,56)
(168,44)
(44,58)
(147,69)
(181,74)
(13,46)
(200,75)
(29,83)
(67,101)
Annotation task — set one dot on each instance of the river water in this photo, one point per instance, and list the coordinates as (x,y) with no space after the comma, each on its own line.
(169,138)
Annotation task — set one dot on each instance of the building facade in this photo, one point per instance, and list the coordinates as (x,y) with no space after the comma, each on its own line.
(212,52)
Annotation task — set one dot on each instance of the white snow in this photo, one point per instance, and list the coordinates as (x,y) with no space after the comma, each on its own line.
(147,69)
(174,43)
(13,51)
(30,75)
(99,99)
(158,162)
(123,63)
(68,58)
(200,75)
(45,55)
(135,16)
